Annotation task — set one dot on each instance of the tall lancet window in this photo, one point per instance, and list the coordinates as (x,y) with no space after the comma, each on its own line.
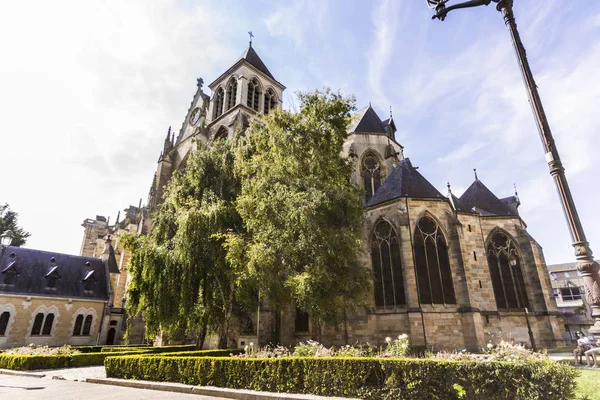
(433,265)
(506,272)
(219,100)
(253,94)
(387,267)
(371,175)
(270,100)
(231,93)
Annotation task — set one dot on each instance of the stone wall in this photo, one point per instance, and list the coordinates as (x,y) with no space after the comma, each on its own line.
(23,310)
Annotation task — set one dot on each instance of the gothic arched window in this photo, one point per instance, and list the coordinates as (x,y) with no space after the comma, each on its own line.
(270,100)
(219,100)
(387,267)
(253,94)
(506,272)
(48,322)
(371,174)
(78,324)
(221,134)
(4,322)
(87,325)
(433,265)
(231,93)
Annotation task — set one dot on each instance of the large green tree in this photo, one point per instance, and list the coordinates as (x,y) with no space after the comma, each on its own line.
(9,221)
(181,282)
(301,212)
(271,213)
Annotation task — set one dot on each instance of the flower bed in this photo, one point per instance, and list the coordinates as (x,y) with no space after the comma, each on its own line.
(369,378)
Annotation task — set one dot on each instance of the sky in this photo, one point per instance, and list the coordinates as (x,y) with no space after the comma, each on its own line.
(88,90)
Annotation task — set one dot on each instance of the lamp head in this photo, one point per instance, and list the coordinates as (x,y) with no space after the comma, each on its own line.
(6,238)
(512,260)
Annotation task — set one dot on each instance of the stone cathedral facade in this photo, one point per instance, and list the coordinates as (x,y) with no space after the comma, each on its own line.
(451,272)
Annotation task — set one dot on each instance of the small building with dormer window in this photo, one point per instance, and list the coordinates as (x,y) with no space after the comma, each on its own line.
(52,299)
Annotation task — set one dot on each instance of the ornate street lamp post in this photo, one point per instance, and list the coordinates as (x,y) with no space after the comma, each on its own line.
(586,264)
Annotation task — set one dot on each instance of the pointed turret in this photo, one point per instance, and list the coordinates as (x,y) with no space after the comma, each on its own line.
(108,256)
(479,199)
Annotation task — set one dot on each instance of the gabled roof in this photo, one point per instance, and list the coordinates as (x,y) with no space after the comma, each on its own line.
(33,266)
(404,181)
(366,120)
(480,199)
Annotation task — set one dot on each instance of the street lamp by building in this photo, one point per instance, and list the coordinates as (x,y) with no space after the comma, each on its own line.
(586,264)
(6,238)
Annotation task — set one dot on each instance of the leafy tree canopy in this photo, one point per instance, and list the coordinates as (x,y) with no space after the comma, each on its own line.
(302,214)
(9,220)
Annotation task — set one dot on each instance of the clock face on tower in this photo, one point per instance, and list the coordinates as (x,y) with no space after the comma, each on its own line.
(195,117)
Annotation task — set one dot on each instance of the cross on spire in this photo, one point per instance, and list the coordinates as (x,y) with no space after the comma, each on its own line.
(251,36)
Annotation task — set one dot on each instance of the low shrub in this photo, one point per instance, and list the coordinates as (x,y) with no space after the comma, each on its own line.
(200,353)
(23,362)
(121,349)
(368,378)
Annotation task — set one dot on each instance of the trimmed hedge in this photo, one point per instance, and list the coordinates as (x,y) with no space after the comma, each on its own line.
(200,353)
(27,362)
(366,378)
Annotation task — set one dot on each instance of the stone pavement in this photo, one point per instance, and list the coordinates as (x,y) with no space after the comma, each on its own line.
(74,374)
(27,388)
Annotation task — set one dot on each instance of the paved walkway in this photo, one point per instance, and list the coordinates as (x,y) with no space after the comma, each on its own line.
(26,388)
(74,374)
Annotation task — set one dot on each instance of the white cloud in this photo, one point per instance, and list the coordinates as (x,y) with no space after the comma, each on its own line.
(463,152)
(88,95)
(385,23)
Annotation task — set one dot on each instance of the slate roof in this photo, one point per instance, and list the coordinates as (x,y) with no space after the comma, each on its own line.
(252,57)
(480,199)
(404,181)
(33,266)
(366,120)
(458,206)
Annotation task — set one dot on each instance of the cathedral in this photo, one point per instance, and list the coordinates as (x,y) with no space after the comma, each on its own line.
(451,272)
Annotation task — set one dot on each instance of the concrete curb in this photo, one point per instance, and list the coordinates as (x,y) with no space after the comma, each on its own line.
(20,373)
(238,394)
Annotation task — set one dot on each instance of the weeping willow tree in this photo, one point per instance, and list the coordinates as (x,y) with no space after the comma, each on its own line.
(181,283)
(271,213)
(302,214)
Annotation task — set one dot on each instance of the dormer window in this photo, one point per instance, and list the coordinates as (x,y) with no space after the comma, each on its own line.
(253,94)
(52,277)
(10,273)
(89,281)
(231,93)
(270,100)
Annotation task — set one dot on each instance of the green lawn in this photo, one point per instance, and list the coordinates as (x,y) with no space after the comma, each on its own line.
(588,384)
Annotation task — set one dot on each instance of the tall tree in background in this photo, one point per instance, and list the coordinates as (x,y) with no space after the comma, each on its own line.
(9,220)
(181,283)
(302,214)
